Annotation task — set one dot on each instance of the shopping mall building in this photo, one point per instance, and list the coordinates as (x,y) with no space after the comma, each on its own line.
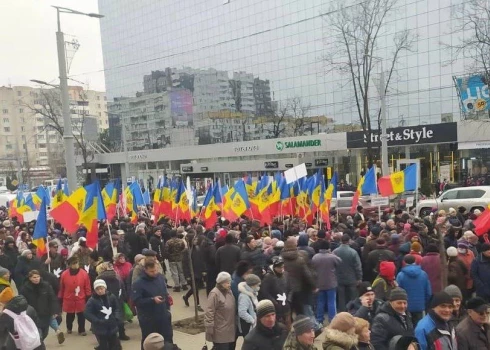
(447,150)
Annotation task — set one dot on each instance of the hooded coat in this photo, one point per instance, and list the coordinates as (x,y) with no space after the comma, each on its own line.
(337,340)
(416,283)
(102,326)
(247,304)
(431,264)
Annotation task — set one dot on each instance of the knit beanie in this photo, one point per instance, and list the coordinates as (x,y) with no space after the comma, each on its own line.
(3,271)
(440,298)
(398,294)
(432,248)
(154,342)
(416,247)
(265,307)
(252,280)
(452,252)
(453,291)
(387,270)
(100,283)
(302,324)
(343,322)
(223,276)
(409,259)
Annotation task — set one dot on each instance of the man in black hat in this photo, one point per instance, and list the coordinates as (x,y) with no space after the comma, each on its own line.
(273,288)
(480,272)
(369,305)
(474,331)
(434,331)
(268,334)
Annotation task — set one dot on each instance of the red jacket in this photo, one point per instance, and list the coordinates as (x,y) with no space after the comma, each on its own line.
(431,264)
(123,269)
(74,290)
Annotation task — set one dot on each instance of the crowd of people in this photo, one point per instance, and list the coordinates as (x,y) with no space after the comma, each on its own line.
(389,281)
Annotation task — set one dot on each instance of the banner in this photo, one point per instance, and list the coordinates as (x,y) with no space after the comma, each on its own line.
(473,91)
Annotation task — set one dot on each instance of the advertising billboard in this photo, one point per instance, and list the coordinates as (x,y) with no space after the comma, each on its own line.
(181,107)
(473,91)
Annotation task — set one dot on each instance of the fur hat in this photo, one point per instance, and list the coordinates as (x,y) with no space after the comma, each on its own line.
(343,322)
(452,252)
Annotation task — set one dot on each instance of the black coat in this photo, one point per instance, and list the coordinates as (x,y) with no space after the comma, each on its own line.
(23,267)
(157,245)
(43,299)
(388,323)
(271,286)
(12,254)
(197,264)
(227,257)
(262,338)
(100,325)
(373,260)
(18,304)
(114,284)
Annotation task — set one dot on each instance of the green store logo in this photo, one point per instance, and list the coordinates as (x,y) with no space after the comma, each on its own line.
(297,144)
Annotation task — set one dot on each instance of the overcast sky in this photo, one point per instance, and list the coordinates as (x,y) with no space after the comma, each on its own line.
(28,42)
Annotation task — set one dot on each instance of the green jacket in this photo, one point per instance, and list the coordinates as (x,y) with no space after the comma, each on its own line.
(293,344)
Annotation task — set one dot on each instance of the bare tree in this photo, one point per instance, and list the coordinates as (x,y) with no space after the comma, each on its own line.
(299,112)
(355,32)
(279,120)
(49,106)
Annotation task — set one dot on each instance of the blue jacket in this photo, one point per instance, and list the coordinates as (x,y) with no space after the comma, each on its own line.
(480,272)
(433,333)
(417,285)
(143,291)
(349,271)
(235,281)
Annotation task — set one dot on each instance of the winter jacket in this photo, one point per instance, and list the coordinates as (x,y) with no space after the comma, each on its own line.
(74,290)
(456,273)
(23,267)
(263,338)
(174,249)
(219,316)
(235,281)
(292,343)
(57,262)
(467,259)
(158,246)
(386,324)
(43,299)
(255,257)
(325,264)
(247,304)
(122,270)
(196,256)
(272,286)
(337,340)
(431,264)
(303,245)
(471,337)
(381,253)
(18,304)
(349,271)
(369,313)
(433,333)
(480,272)
(101,324)
(382,288)
(114,284)
(12,253)
(227,257)
(6,291)
(144,289)
(299,277)
(416,284)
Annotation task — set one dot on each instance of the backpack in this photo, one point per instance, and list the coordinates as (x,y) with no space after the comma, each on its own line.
(26,335)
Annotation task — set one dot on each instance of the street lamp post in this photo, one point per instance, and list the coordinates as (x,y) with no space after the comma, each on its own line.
(65,99)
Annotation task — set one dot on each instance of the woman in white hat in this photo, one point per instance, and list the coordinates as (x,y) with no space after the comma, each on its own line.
(220,316)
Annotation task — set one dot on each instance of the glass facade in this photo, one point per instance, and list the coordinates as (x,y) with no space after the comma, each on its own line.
(213,71)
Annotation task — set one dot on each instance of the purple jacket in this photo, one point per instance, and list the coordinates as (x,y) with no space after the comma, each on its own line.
(431,264)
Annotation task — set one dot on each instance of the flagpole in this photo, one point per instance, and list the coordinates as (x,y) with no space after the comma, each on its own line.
(110,236)
(49,265)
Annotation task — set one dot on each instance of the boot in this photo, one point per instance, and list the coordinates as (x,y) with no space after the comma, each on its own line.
(186,301)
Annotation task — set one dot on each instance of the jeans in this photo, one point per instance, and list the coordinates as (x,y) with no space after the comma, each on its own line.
(177,273)
(54,324)
(224,346)
(326,301)
(345,293)
(70,317)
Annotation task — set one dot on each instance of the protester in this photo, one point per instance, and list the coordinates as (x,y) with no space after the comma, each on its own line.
(150,295)
(363,334)
(192,257)
(459,311)
(302,335)
(174,251)
(228,255)
(220,314)
(247,303)
(480,272)
(431,264)
(368,303)
(40,295)
(391,320)
(74,290)
(341,334)
(6,291)
(104,313)
(434,331)
(474,331)
(385,281)
(268,334)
